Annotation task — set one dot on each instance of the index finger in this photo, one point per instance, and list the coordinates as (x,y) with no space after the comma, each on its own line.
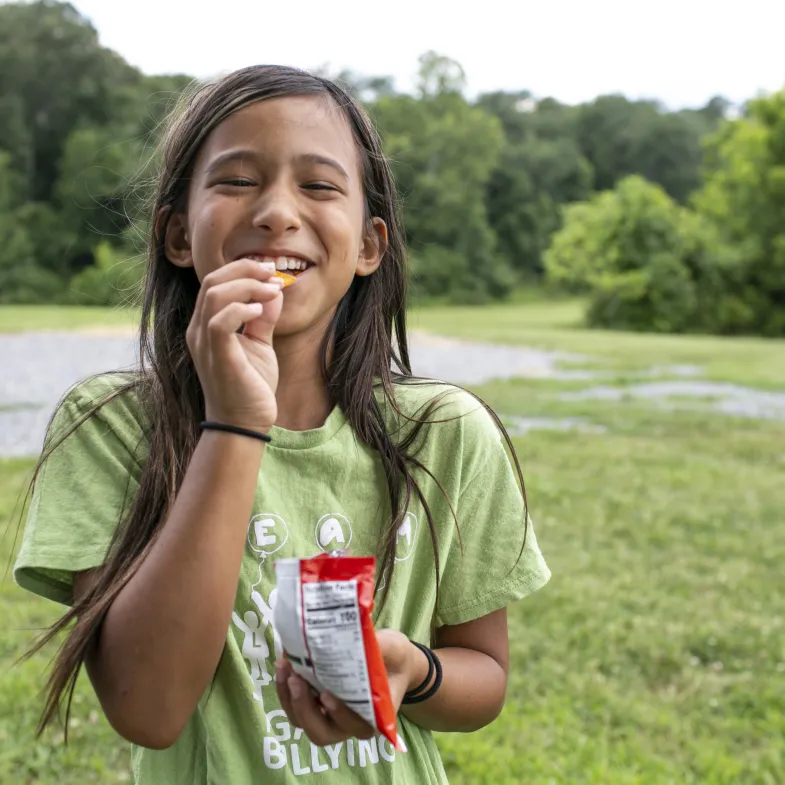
(241,268)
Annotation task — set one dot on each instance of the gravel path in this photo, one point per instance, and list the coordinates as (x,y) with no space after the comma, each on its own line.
(37,368)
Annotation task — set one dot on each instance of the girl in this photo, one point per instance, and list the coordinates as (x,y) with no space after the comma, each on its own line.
(160,530)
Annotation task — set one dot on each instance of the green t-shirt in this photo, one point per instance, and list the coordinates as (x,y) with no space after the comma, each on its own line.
(318,490)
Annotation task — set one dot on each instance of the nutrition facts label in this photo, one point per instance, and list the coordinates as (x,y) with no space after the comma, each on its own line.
(333,635)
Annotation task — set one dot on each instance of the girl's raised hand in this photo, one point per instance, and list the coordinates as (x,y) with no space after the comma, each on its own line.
(238,370)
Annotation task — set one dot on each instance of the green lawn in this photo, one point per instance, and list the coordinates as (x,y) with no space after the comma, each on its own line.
(556,326)
(656,655)
(23,318)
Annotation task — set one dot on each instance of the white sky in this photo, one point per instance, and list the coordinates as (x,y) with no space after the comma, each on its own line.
(679,51)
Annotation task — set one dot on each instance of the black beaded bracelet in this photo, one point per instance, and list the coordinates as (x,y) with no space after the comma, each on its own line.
(415,695)
(220,426)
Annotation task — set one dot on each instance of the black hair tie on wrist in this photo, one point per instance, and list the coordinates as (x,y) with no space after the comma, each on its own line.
(208,425)
(434,665)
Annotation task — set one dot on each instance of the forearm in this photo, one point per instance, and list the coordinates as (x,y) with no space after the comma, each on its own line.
(471,695)
(163,635)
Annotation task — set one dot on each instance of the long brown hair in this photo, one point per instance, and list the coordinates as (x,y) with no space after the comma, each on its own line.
(368,355)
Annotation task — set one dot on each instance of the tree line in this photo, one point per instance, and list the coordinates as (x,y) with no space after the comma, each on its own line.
(648,212)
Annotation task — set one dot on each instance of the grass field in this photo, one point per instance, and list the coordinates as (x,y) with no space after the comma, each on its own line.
(22,318)
(656,654)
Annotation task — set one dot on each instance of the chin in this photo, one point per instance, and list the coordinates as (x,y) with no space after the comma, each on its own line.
(293,324)
(297,320)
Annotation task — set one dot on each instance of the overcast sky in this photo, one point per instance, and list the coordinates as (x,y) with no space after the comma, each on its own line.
(681,52)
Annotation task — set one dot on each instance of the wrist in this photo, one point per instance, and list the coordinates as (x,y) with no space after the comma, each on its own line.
(238,422)
(418,667)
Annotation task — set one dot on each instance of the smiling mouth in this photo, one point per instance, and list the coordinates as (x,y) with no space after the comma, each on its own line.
(287,268)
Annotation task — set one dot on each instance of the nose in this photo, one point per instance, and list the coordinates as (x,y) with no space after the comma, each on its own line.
(276,210)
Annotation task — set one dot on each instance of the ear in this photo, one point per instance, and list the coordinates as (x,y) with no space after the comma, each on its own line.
(373,248)
(177,247)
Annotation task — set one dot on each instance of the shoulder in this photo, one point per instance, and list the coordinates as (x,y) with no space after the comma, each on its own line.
(442,403)
(110,400)
(457,426)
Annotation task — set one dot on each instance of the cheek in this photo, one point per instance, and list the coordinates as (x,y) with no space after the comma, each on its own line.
(342,234)
(207,218)
(209,222)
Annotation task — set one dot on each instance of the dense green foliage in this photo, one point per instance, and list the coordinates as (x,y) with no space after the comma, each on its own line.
(717,266)
(649,263)
(484,181)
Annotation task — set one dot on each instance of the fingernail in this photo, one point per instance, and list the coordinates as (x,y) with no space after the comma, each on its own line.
(267,266)
(329,701)
(295,687)
(276,280)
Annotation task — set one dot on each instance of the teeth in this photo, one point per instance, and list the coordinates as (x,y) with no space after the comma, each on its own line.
(280,262)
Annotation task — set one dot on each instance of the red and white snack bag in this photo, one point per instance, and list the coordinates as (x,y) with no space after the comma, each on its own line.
(323,617)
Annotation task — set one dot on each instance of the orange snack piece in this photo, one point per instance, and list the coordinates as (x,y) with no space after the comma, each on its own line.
(287,279)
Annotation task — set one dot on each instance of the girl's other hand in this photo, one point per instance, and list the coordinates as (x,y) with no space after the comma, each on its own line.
(230,338)
(328,720)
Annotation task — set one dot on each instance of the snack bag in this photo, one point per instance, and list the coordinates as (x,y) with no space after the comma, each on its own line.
(323,617)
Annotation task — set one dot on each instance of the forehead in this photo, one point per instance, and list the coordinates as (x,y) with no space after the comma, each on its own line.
(280,128)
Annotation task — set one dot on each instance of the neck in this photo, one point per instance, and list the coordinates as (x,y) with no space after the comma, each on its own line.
(302,398)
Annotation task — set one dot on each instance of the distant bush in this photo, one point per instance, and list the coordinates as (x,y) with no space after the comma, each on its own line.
(744,194)
(114,278)
(445,275)
(21,279)
(648,264)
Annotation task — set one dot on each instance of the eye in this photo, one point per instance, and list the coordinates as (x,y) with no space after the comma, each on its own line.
(320,186)
(239,182)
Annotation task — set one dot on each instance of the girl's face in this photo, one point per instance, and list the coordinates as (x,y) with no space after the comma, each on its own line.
(281,179)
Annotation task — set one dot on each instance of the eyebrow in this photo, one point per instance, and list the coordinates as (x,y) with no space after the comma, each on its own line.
(229,157)
(242,155)
(324,160)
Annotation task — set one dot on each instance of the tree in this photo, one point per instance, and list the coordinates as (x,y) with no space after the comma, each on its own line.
(97,169)
(541,167)
(647,263)
(444,152)
(21,278)
(114,279)
(57,76)
(744,194)
(621,137)
(525,195)
(367,89)
(75,119)
(439,75)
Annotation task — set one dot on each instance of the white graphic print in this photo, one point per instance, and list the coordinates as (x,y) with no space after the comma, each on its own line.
(333,532)
(255,648)
(284,746)
(267,534)
(404,540)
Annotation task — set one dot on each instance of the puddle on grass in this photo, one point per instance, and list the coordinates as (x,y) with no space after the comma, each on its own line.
(723,397)
(472,362)
(520,426)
